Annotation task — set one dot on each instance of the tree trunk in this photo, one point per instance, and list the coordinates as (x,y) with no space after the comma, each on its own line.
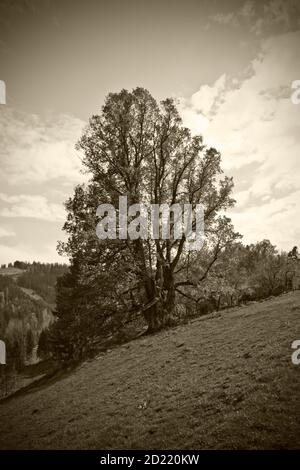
(161,313)
(159,316)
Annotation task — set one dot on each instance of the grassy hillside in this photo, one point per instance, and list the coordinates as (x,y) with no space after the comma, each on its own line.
(223,381)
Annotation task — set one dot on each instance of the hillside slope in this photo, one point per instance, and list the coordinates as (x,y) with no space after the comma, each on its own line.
(224,381)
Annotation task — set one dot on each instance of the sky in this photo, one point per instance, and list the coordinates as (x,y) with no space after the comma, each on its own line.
(229,63)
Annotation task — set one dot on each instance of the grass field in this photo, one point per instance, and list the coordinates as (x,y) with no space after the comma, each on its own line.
(225,381)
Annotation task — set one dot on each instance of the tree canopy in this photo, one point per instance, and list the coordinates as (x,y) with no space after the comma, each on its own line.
(140,149)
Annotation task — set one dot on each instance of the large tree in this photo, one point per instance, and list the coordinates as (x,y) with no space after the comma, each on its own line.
(140,149)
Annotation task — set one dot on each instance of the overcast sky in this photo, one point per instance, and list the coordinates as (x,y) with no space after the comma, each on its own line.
(230,64)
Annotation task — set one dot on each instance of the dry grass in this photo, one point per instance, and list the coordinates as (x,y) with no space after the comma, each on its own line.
(224,381)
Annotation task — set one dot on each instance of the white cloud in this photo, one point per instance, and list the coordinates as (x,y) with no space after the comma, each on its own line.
(275,219)
(225,19)
(262,18)
(205,98)
(37,207)
(36,150)
(6,233)
(256,122)
(39,167)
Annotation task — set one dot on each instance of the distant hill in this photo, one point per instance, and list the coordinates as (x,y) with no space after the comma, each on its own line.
(27,301)
(41,278)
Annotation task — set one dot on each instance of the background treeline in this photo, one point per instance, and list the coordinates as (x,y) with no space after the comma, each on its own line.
(91,316)
(242,274)
(27,298)
(41,277)
(21,321)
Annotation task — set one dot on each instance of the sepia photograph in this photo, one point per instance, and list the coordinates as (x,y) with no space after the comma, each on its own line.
(149,231)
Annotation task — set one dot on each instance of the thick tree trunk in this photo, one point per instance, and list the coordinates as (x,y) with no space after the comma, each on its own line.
(162,311)
(161,300)
(159,316)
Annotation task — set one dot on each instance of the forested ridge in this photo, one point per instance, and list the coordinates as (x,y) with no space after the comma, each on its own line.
(27,301)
